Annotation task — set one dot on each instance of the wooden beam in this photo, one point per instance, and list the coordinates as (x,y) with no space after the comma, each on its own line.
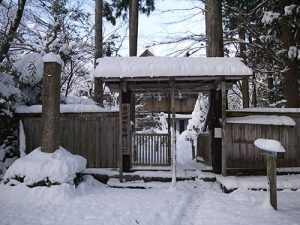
(223,90)
(173,132)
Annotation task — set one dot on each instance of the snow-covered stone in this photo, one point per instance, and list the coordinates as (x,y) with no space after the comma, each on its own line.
(263,120)
(269,145)
(58,167)
(118,67)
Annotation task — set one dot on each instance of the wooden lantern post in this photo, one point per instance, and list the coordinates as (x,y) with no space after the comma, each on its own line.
(271,156)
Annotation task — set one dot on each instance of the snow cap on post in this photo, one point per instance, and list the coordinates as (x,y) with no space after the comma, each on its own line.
(51,57)
(269,145)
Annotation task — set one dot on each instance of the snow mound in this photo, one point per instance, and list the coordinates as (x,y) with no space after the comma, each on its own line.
(46,168)
(269,145)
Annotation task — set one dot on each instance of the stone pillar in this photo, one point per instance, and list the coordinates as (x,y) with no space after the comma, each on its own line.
(51,105)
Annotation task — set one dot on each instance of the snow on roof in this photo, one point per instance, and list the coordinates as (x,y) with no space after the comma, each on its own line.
(70,108)
(132,67)
(269,145)
(263,120)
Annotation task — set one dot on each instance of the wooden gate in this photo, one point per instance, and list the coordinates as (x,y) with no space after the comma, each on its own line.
(151,150)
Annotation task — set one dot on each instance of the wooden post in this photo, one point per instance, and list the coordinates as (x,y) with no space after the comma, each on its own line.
(215,126)
(271,172)
(173,132)
(169,129)
(125,128)
(51,106)
(193,150)
(120,155)
(223,89)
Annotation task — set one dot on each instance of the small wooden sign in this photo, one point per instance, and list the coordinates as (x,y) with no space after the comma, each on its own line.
(125,129)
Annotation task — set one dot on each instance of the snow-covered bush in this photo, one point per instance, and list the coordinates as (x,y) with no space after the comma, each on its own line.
(45,169)
(196,124)
(29,73)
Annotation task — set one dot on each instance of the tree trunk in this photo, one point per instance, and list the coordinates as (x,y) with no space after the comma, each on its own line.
(98,91)
(291,76)
(245,82)
(133,27)
(254,96)
(215,48)
(98,29)
(270,89)
(5,44)
(214,31)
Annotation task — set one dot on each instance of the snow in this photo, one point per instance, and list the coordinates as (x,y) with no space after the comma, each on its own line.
(293,52)
(288,10)
(30,68)
(268,110)
(191,202)
(188,203)
(291,182)
(7,86)
(69,108)
(59,167)
(51,57)
(22,139)
(269,17)
(196,124)
(119,67)
(263,120)
(269,145)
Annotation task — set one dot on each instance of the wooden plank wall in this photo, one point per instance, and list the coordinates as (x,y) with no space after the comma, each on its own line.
(241,152)
(182,105)
(93,135)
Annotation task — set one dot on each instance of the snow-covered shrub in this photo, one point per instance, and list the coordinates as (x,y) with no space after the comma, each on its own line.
(9,96)
(45,169)
(29,77)
(196,124)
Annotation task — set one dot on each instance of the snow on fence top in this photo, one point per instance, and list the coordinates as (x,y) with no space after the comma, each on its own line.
(268,110)
(132,67)
(263,120)
(70,108)
(269,145)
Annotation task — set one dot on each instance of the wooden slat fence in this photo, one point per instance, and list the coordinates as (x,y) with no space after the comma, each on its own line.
(151,150)
(95,136)
(241,152)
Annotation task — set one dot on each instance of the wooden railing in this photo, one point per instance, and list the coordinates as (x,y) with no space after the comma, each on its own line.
(151,149)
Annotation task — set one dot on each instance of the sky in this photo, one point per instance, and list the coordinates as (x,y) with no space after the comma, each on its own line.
(171,19)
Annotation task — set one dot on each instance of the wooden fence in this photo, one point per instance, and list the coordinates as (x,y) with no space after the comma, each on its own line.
(243,155)
(151,150)
(95,136)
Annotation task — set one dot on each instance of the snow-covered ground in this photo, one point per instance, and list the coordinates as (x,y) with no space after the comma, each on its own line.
(189,202)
